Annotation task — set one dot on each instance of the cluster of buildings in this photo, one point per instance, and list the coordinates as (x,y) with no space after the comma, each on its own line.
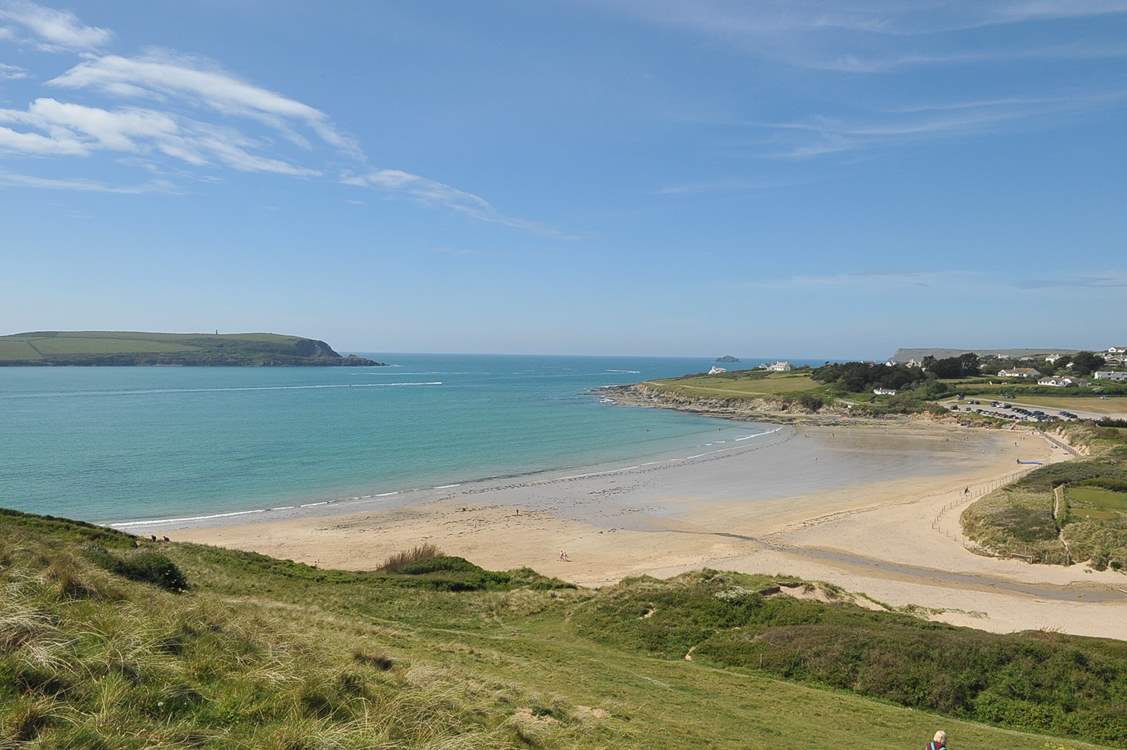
(780,366)
(1114,356)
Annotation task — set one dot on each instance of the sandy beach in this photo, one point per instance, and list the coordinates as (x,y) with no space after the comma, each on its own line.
(873,509)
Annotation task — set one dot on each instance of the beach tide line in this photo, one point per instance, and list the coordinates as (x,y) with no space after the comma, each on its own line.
(165,521)
(759,434)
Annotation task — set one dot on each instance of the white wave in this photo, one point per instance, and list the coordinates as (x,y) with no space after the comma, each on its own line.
(758,434)
(447,486)
(628,372)
(165,521)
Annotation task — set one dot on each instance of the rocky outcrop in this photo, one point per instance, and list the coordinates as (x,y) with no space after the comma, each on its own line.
(757,409)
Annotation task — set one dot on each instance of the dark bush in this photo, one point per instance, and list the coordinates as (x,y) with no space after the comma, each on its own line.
(145,566)
(379,661)
(810,402)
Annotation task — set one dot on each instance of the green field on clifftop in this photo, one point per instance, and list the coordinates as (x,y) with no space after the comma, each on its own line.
(137,348)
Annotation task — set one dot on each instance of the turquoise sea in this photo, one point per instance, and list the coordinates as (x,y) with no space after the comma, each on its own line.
(112,444)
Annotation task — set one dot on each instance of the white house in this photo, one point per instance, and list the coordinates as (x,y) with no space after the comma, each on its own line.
(1056,382)
(912,363)
(779,366)
(1117,350)
(885,391)
(1052,359)
(1019,372)
(716,370)
(1111,375)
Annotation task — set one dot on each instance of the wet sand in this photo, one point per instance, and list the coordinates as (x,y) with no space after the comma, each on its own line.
(872,509)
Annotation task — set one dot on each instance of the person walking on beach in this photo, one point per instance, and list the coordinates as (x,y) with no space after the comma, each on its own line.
(939,742)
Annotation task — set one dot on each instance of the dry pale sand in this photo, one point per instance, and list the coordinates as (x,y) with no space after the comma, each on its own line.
(893,536)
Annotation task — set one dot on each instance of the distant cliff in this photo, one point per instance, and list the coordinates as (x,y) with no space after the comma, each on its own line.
(132,348)
(903,355)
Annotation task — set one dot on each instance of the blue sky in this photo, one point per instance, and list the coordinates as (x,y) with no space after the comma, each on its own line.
(623,176)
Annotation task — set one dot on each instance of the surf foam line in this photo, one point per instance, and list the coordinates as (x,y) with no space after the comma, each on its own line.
(159,391)
(586,475)
(758,434)
(163,521)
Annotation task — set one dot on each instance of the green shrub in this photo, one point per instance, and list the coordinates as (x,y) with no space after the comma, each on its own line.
(146,566)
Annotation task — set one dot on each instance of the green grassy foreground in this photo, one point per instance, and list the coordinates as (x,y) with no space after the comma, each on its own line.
(109,642)
(136,348)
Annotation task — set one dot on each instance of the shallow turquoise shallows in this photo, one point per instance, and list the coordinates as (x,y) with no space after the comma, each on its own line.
(125,443)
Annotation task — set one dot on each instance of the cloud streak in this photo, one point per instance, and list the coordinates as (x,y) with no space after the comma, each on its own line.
(78,130)
(433,193)
(873,36)
(822,135)
(56,30)
(11,72)
(162,75)
(10,180)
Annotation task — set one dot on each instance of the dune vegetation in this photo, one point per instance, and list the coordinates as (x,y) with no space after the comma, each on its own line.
(1064,513)
(109,641)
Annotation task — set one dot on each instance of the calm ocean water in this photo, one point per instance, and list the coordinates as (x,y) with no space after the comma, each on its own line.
(125,443)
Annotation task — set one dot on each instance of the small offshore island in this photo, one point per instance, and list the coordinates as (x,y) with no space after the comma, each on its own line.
(133,348)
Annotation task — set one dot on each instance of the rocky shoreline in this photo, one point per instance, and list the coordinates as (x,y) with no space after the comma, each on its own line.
(746,409)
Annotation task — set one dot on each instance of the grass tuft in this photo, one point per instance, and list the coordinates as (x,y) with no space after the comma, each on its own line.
(400,562)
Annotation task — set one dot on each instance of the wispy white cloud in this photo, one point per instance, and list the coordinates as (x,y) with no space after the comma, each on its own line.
(188,111)
(11,72)
(891,62)
(9,179)
(874,36)
(434,193)
(55,30)
(161,75)
(75,129)
(822,135)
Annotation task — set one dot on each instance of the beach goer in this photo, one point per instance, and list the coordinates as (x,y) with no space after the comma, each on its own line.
(939,742)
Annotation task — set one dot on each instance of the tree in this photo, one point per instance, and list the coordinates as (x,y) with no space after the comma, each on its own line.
(962,366)
(1085,363)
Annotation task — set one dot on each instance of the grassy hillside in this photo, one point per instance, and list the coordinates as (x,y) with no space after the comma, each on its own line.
(747,383)
(1063,513)
(135,348)
(111,642)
